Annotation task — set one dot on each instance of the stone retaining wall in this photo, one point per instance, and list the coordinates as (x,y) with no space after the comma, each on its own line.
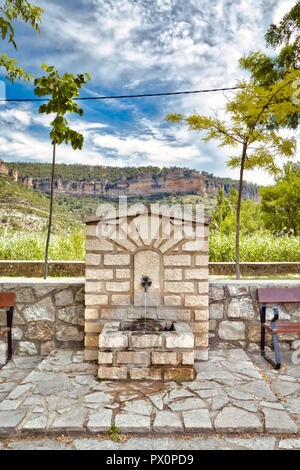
(50,314)
(47,315)
(234,315)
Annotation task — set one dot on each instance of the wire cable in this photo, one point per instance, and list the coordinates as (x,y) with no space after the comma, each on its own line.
(124,96)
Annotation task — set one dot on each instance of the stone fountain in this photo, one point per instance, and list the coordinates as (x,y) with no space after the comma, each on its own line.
(146,293)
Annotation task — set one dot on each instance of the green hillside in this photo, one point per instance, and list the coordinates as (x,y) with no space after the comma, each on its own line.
(24,209)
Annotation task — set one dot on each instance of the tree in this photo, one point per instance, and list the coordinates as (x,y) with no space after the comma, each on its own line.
(11,11)
(249,126)
(62,90)
(280,203)
(266,70)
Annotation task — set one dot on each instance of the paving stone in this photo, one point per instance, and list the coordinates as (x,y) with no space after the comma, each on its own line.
(141,407)
(197,420)
(211,443)
(166,421)
(179,392)
(94,444)
(285,388)
(39,444)
(100,421)
(98,397)
(232,419)
(145,444)
(256,443)
(9,420)
(9,405)
(157,400)
(35,423)
(129,422)
(187,404)
(60,384)
(278,421)
(259,389)
(72,421)
(289,444)
(219,402)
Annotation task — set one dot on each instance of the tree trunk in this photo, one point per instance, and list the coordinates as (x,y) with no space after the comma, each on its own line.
(238,212)
(50,210)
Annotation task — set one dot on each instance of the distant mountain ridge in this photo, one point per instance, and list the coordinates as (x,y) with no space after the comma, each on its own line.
(112,182)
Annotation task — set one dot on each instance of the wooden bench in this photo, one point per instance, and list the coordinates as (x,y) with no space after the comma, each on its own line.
(275,327)
(7,302)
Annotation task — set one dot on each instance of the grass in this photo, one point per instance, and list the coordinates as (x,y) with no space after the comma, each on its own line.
(259,247)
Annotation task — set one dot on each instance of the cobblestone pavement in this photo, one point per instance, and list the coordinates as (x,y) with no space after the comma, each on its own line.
(236,401)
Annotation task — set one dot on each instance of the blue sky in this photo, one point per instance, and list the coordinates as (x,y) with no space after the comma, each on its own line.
(129,47)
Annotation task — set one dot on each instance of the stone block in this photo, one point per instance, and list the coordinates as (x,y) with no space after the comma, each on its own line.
(145,373)
(40,311)
(118,286)
(92,327)
(105,357)
(113,340)
(188,358)
(196,300)
(172,300)
(254,332)
(203,287)
(120,299)
(91,259)
(146,341)
(94,244)
(231,330)
(64,298)
(91,314)
(216,311)
(195,245)
(117,260)
(216,293)
(132,357)
(199,327)
(201,260)
(201,315)
(39,331)
(177,260)
(241,308)
(112,373)
(179,287)
(198,274)
(99,274)
(90,354)
(162,358)
(68,333)
(122,273)
(182,373)
(180,340)
(173,274)
(95,287)
(96,299)
(73,314)
(201,341)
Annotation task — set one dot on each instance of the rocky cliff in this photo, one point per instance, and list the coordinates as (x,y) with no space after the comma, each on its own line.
(166,182)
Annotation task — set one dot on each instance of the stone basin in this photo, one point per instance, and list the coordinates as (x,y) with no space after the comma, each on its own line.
(127,354)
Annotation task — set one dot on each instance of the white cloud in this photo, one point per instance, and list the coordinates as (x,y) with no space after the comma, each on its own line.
(162,45)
